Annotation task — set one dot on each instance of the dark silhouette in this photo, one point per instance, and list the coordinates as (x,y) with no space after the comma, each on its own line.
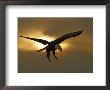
(54,45)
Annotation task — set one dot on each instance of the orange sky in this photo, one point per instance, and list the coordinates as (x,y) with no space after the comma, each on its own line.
(78,48)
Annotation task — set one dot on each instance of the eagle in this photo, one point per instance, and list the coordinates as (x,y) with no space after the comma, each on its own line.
(55,44)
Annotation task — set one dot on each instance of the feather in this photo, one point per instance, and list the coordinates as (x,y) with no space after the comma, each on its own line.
(37,40)
(66,36)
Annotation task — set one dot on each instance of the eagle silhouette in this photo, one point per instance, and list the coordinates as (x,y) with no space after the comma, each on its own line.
(54,45)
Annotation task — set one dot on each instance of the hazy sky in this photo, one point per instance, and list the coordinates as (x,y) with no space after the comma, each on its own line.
(77,55)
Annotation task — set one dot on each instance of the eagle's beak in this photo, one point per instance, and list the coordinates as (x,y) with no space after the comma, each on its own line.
(60,49)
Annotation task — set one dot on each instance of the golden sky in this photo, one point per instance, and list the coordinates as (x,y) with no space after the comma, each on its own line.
(77,55)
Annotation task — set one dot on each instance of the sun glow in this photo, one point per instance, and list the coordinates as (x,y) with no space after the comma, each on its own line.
(64,45)
(26,44)
(40,46)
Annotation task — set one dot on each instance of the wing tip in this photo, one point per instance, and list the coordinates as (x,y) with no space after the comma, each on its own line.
(81,31)
(20,36)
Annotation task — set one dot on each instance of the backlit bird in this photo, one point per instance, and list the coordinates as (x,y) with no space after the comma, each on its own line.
(55,44)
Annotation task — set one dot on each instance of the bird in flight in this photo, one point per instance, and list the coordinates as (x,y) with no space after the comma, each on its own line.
(55,44)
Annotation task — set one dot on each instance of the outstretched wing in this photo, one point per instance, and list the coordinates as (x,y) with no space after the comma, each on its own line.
(66,36)
(37,40)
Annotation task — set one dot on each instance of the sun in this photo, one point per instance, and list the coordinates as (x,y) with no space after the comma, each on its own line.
(25,44)
(48,38)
